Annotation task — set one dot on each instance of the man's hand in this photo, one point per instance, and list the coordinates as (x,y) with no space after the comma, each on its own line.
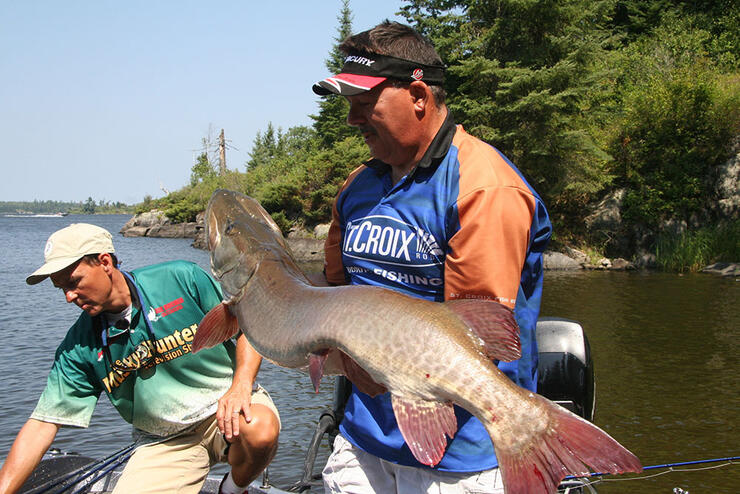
(235,402)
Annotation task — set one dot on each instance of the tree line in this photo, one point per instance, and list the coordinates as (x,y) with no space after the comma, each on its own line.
(90,206)
(585,96)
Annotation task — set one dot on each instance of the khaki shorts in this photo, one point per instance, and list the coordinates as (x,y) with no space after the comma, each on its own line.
(350,470)
(180,464)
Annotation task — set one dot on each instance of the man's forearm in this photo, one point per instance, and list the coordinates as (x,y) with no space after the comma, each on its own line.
(29,447)
(247,362)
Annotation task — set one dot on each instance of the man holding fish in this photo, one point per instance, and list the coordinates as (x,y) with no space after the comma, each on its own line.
(435,251)
(133,341)
(436,214)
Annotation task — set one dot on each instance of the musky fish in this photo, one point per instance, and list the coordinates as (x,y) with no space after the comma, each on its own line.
(428,355)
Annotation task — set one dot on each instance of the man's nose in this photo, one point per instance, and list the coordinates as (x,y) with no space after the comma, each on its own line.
(355,117)
(70,295)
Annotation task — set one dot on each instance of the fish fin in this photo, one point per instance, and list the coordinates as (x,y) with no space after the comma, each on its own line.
(493,323)
(565,446)
(360,377)
(216,326)
(316,367)
(424,425)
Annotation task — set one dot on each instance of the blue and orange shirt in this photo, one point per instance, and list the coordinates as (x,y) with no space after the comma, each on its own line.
(463,224)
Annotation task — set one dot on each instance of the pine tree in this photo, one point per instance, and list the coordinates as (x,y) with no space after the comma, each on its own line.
(519,77)
(331,122)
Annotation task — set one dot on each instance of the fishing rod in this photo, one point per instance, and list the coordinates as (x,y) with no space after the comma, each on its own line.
(113,459)
(729,459)
(90,467)
(120,460)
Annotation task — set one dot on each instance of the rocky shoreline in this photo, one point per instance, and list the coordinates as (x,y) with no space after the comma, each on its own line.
(309,246)
(155,224)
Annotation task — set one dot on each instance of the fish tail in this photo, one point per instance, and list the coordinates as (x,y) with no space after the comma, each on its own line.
(567,446)
(217,326)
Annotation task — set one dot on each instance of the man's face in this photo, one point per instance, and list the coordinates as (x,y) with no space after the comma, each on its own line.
(386,118)
(86,285)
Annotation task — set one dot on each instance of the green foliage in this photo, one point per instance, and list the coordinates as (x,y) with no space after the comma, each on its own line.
(283,202)
(302,184)
(89,206)
(678,115)
(520,77)
(202,170)
(692,250)
(583,96)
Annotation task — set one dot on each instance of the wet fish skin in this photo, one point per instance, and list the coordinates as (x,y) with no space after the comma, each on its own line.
(422,352)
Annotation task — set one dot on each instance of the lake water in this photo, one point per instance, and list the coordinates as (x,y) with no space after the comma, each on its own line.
(665,350)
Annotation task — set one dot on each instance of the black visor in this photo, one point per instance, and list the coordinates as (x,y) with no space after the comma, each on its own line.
(363,71)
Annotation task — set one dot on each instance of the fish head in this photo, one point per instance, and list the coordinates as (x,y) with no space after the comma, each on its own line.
(240,235)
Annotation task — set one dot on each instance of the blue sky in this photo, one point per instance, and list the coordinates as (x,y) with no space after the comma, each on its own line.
(110,99)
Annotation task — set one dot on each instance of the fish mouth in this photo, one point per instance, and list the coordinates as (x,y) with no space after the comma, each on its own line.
(229,297)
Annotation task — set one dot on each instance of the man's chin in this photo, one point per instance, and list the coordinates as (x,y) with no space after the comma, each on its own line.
(91,310)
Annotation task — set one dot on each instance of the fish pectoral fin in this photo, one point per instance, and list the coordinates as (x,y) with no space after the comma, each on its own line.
(424,425)
(217,326)
(316,362)
(494,324)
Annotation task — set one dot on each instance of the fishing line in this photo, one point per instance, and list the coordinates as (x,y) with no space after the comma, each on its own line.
(670,470)
(730,460)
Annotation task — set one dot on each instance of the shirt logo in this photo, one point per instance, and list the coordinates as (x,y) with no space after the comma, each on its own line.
(387,240)
(167,309)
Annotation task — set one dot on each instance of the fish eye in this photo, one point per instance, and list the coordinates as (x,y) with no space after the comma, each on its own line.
(229,226)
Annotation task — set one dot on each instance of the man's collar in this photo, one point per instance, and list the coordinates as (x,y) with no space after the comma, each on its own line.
(135,302)
(434,154)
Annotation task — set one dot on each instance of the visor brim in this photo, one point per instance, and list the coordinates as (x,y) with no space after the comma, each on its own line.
(50,268)
(347,84)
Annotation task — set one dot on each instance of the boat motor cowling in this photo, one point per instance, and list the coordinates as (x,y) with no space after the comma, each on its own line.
(566,371)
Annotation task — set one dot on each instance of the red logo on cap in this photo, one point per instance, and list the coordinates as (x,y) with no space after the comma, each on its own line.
(417,75)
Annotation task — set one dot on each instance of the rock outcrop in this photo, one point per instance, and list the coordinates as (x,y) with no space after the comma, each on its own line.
(723,269)
(155,224)
(309,246)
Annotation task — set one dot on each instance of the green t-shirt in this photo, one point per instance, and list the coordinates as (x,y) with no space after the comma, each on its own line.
(180,390)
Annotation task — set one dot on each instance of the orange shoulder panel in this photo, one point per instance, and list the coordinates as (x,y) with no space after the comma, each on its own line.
(496,209)
(333,267)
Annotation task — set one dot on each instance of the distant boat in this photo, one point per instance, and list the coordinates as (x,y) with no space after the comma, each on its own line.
(37,215)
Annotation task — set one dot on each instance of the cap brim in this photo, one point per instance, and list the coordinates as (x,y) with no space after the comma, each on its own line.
(50,268)
(346,84)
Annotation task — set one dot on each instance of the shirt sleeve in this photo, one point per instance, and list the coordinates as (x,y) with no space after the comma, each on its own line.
(333,265)
(70,396)
(208,291)
(487,253)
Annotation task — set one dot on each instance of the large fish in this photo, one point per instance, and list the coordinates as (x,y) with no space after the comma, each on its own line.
(428,355)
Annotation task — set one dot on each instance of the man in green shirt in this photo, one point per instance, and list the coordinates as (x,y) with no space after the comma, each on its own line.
(133,342)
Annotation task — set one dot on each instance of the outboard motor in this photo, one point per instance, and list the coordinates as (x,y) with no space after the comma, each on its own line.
(566,371)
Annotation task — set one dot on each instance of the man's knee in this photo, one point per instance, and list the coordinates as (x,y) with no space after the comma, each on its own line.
(262,431)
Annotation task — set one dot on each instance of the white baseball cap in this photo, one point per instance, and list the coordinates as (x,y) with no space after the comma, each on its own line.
(69,245)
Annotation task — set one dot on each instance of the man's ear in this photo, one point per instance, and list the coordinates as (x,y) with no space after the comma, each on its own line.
(421,95)
(106,261)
